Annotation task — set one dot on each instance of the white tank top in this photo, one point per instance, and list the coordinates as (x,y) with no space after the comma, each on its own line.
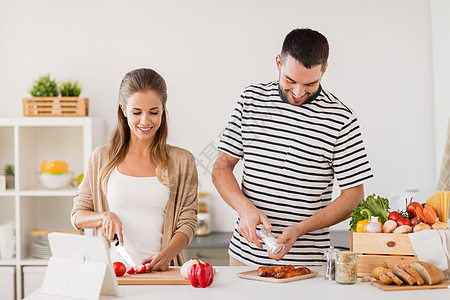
(140,203)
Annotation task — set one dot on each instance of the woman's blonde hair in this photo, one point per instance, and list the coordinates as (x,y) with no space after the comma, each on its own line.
(139,80)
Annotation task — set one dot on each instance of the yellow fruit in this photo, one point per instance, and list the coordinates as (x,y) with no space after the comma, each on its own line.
(79,178)
(54,166)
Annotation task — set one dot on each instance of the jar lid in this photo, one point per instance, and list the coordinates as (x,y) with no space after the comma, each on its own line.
(345,253)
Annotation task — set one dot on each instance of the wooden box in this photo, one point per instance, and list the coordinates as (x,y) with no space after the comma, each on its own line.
(55,107)
(372,248)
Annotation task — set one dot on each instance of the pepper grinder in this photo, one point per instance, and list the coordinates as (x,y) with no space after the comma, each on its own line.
(330,255)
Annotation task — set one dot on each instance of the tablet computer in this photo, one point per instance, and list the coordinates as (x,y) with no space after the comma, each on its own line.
(84,250)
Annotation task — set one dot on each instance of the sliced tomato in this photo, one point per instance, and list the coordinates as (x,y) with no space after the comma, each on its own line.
(131,270)
(140,269)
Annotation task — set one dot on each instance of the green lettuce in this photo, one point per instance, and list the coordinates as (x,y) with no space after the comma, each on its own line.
(378,207)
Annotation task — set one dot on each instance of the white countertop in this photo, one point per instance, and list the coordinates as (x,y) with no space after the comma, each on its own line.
(228,286)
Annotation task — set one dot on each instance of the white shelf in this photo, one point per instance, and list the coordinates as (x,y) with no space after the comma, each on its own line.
(26,142)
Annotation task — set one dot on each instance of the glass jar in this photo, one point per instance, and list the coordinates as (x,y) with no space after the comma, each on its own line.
(204,217)
(346,267)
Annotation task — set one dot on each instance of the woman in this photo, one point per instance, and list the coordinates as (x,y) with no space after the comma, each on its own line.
(138,187)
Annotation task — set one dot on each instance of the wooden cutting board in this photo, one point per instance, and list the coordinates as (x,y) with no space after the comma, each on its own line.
(171,276)
(253,275)
(394,287)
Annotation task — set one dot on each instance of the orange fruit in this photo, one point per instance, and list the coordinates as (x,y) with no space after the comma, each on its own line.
(54,166)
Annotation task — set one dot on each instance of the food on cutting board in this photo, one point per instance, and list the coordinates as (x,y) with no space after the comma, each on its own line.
(415,217)
(415,273)
(281,272)
(119,268)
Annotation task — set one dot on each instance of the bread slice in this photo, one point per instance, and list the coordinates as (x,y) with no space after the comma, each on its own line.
(403,275)
(385,279)
(411,271)
(429,273)
(394,278)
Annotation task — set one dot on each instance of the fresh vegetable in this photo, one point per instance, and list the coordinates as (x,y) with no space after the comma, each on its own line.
(140,269)
(403,221)
(185,267)
(393,216)
(374,226)
(414,221)
(119,268)
(439,225)
(420,214)
(389,226)
(411,208)
(421,226)
(377,206)
(131,270)
(361,225)
(403,229)
(430,213)
(201,274)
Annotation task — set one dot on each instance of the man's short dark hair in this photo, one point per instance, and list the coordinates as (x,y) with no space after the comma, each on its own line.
(307,46)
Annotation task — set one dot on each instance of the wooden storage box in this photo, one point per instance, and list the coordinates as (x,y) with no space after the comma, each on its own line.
(375,247)
(55,107)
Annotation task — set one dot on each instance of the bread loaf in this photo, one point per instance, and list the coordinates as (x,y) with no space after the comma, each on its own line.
(403,275)
(411,271)
(429,273)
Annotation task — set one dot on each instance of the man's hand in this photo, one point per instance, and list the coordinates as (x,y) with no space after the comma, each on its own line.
(248,220)
(288,237)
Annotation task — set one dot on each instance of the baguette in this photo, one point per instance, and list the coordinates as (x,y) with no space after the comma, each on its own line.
(403,275)
(429,273)
(411,271)
(394,278)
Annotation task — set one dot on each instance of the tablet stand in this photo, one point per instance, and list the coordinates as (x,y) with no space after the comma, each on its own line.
(74,277)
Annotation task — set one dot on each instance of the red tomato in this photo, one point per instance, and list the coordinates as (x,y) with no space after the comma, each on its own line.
(403,221)
(394,216)
(140,269)
(411,209)
(130,270)
(119,268)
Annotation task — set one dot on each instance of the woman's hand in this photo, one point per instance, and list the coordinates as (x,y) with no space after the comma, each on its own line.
(111,225)
(157,262)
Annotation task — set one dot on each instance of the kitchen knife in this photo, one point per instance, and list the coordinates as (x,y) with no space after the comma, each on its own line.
(123,253)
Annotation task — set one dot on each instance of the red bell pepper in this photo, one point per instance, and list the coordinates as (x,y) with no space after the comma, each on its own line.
(201,275)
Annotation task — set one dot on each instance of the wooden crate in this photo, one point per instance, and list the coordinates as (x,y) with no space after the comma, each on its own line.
(372,248)
(55,107)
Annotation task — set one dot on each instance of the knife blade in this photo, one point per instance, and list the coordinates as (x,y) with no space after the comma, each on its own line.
(123,252)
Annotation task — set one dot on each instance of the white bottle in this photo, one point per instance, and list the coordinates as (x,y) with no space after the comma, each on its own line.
(270,241)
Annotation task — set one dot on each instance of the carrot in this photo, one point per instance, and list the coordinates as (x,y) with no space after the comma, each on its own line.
(429,213)
(420,213)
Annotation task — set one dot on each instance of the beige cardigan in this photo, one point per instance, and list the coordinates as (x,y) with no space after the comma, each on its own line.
(182,206)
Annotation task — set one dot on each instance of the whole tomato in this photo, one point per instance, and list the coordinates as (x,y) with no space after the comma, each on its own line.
(119,268)
(394,216)
(403,221)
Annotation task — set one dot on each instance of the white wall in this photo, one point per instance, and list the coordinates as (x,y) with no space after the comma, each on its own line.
(208,51)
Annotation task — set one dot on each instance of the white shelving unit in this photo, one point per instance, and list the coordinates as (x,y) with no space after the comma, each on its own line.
(27,142)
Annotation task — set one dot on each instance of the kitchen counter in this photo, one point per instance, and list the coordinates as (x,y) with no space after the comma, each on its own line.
(228,286)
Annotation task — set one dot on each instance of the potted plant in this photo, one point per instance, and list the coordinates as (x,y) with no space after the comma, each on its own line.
(46,103)
(8,171)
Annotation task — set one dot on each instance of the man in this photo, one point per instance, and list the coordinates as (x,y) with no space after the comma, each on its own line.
(294,139)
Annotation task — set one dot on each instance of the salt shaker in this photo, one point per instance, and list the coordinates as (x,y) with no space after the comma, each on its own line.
(270,241)
(330,255)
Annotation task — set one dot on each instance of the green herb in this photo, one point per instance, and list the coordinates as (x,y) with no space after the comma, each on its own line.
(377,206)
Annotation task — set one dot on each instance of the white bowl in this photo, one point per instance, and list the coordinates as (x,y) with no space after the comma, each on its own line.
(54,181)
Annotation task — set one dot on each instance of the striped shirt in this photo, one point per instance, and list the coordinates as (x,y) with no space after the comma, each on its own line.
(291,155)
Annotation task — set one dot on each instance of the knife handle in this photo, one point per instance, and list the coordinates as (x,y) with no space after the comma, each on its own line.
(116,240)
